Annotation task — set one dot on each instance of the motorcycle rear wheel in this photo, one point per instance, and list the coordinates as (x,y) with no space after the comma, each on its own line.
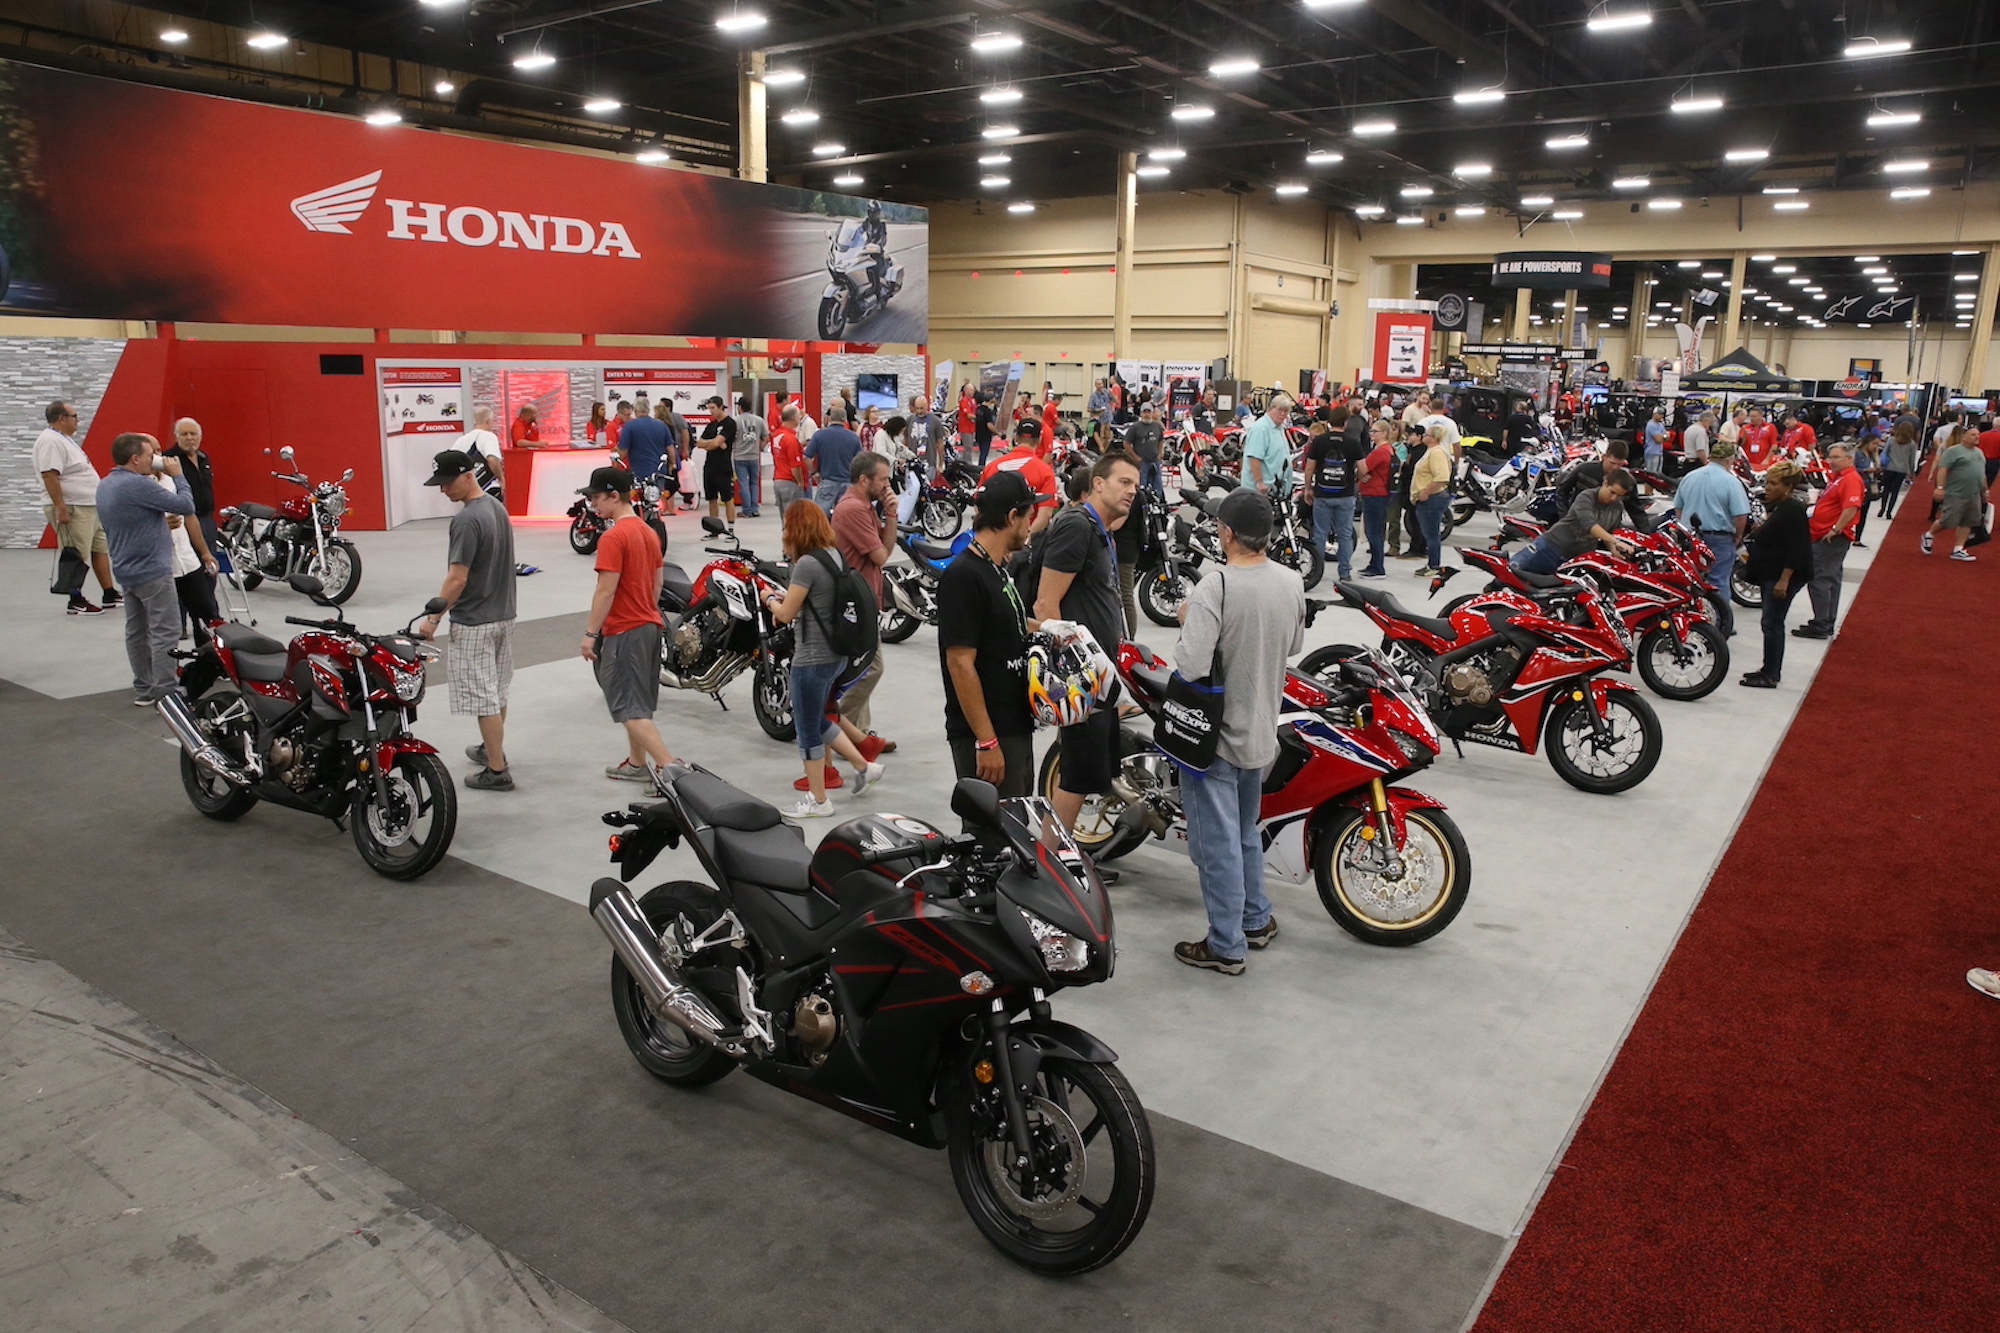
(1462,509)
(1076,1110)
(660,1047)
(340,573)
(214,796)
(1569,731)
(584,536)
(1742,590)
(424,779)
(243,555)
(1437,875)
(941,520)
(1161,592)
(1096,831)
(771,700)
(1684,672)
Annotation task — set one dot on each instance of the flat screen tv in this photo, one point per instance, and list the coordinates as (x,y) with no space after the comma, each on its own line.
(878,391)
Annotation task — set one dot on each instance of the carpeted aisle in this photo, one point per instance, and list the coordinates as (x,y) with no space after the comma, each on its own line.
(1800,1132)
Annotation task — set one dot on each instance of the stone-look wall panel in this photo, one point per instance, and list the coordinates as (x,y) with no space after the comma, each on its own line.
(838,369)
(33,373)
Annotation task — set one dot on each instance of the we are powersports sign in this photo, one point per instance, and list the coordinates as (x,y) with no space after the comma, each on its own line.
(1552,270)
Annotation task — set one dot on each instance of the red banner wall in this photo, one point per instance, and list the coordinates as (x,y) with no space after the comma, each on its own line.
(129,202)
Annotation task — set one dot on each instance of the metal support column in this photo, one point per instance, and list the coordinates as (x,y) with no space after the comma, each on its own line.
(1121,285)
(1518,331)
(752,157)
(1732,322)
(1977,353)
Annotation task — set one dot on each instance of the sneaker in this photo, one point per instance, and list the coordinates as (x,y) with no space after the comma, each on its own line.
(1374,573)
(487,780)
(867,777)
(1985,981)
(1927,543)
(144,701)
(112,597)
(627,771)
(888,747)
(873,747)
(1426,572)
(1962,554)
(1811,632)
(807,808)
(477,753)
(79,605)
(1261,939)
(1196,954)
(1757,680)
(833,781)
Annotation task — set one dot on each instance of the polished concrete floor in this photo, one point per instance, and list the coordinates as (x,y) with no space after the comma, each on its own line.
(1349,1135)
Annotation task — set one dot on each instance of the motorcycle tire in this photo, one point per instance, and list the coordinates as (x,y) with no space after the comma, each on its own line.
(1742,590)
(897,624)
(1309,564)
(1387,914)
(243,555)
(425,777)
(1113,1139)
(832,318)
(661,1048)
(1692,670)
(941,520)
(1321,662)
(341,573)
(1462,509)
(1609,783)
(1096,832)
(583,537)
(215,797)
(771,700)
(1161,592)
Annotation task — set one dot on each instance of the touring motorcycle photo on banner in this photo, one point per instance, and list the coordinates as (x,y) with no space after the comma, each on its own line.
(862,278)
(299,536)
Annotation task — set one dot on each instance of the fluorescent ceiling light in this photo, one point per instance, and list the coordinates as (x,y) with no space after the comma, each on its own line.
(1965,277)
(534,60)
(1233,66)
(1695,104)
(1567,214)
(741,21)
(1964,252)
(1469,211)
(1875,272)
(1369,128)
(1905,167)
(1416,192)
(1785,268)
(1369,210)
(1479,96)
(1000,96)
(1570,141)
(783,78)
(1882,119)
(1711,274)
(173,36)
(1867,48)
(598,106)
(995,159)
(1021,208)
(271,41)
(1165,154)
(1911,192)
(650,156)
(1323,157)
(1663,205)
(836,149)
(385,117)
(1292,187)
(994,182)
(987,43)
(1193,112)
(445,88)
(800,115)
(1152,173)
(1473,170)
(1870,259)
(849,179)
(1781,189)
(1537,200)
(1688,263)
(1798,282)
(1409,220)
(1619,309)
(999,131)
(1329,4)
(1631,183)
(1625,22)
(1746,155)
(1765,259)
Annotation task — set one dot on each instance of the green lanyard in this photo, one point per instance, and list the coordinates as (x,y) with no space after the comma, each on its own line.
(1007,586)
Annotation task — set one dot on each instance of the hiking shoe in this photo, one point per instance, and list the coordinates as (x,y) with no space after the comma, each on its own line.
(477,753)
(1427,572)
(79,605)
(1261,939)
(1985,981)
(832,781)
(1927,543)
(807,808)
(487,780)
(112,597)
(1962,554)
(867,777)
(627,771)
(1196,954)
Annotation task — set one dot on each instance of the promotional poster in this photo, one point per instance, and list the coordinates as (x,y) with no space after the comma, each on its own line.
(120,201)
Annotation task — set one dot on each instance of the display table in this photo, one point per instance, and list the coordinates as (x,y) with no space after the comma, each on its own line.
(542,483)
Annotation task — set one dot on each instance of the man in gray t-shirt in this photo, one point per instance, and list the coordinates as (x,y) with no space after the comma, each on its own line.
(1593,516)
(753,435)
(1238,629)
(478,591)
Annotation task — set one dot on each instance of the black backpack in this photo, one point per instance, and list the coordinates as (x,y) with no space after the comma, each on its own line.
(856,629)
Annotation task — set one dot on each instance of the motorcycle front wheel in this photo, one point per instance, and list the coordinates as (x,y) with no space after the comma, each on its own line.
(243,555)
(1684,671)
(1617,762)
(771,699)
(1409,907)
(1096,830)
(832,317)
(339,572)
(583,535)
(682,910)
(1161,592)
(1090,1179)
(1310,564)
(897,624)
(941,520)
(1462,509)
(408,836)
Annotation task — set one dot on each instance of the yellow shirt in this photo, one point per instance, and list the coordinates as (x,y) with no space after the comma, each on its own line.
(1433,469)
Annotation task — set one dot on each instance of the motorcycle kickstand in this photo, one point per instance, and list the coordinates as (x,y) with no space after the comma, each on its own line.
(717,696)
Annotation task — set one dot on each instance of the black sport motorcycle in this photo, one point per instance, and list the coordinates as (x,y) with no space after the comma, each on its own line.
(900,976)
(297,537)
(586,529)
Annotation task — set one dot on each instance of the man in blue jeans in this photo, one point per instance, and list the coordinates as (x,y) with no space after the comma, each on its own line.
(1713,502)
(1591,519)
(1332,471)
(1239,627)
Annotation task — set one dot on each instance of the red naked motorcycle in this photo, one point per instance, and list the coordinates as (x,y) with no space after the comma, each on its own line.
(1390,865)
(321,724)
(1513,671)
(299,536)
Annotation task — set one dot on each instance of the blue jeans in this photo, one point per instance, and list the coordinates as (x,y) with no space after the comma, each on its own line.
(1375,522)
(1723,545)
(829,493)
(1773,624)
(748,472)
(1149,477)
(810,687)
(1228,853)
(1656,458)
(1430,520)
(1544,557)
(1337,515)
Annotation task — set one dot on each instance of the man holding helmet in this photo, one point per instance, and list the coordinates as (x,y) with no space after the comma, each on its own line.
(983,629)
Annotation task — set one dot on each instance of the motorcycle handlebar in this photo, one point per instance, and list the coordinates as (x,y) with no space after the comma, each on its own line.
(317,624)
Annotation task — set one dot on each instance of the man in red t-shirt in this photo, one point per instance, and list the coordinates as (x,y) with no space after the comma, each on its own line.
(789,476)
(524,430)
(1832,530)
(616,426)
(1026,458)
(1989,444)
(1378,469)
(968,419)
(1759,439)
(1799,436)
(1051,414)
(622,641)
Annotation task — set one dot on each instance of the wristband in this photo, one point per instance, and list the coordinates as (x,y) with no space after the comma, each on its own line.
(993,744)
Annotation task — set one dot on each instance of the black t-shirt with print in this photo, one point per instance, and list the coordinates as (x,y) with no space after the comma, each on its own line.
(979,609)
(1335,457)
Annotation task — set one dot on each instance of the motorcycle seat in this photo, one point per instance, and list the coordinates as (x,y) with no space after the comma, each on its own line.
(776,858)
(1547,582)
(240,639)
(252,510)
(1386,602)
(931,551)
(1153,680)
(714,802)
(674,582)
(1488,456)
(777,573)
(265,668)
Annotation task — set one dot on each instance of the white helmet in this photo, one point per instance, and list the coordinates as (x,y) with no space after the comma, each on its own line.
(1069,675)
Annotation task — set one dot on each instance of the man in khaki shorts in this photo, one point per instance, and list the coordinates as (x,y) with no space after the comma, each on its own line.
(479,592)
(71,482)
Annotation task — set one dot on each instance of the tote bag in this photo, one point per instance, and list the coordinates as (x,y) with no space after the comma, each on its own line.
(1190,722)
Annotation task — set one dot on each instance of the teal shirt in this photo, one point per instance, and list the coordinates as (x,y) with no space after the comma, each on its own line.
(1265,442)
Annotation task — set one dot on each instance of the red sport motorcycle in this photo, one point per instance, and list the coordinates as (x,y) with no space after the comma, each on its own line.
(717,626)
(1390,865)
(321,725)
(1512,670)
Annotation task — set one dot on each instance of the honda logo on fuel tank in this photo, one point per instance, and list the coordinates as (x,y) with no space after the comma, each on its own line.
(333,208)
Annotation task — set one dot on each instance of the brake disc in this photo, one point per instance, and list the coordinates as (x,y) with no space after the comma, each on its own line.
(1050,1131)
(403,800)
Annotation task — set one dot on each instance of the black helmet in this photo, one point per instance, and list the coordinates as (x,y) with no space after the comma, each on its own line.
(874,210)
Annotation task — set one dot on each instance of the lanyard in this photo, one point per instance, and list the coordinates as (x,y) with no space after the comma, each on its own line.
(1007,587)
(1110,546)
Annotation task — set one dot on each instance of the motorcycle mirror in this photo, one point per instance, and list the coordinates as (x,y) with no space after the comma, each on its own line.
(347,476)
(286,453)
(976,802)
(434,607)
(714,527)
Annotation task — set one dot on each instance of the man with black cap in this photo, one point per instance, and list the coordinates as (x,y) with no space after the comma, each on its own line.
(622,635)
(983,629)
(718,476)
(1242,623)
(1026,458)
(478,592)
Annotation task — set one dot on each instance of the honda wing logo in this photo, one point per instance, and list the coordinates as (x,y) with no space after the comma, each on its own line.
(334,207)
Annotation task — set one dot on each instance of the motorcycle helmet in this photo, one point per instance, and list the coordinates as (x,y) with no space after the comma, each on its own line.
(874,210)
(1069,678)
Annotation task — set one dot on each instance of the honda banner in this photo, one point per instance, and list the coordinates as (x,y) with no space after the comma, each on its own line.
(122,201)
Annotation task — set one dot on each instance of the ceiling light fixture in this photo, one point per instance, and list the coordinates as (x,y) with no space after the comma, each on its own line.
(444,88)
(271,41)
(848,180)
(1152,173)
(1371,128)
(1625,22)
(1000,96)
(598,106)
(1905,167)
(1369,210)
(1798,282)
(1537,200)
(1911,192)
(1410,220)
(836,149)
(1786,268)
(783,78)
(1711,274)
(1746,155)
(1868,48)
(384,117)
(1232,66)
(1663,205)
(651,156)
(1688,263)
(1479,96)
(1567,214)
(1691,105)
(1473,170)
(1885,119)
(1193,111)
(1021,208)
(800,115)
(994,182)
(990,43)
(1570,141)
(533,60)
(1469,211)
(1875,272)
(1329,4)
(1416,192)
(1323,157)
(1292,187)
(173,36)
(1965,277)
(743,20)
(1166,154)
(995,159)
(1631,183)
(999,131)
(1790,206)
(1781,189)
(1867,259)
(1765,259)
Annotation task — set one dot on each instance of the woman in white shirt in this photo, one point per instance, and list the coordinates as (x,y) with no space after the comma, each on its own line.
(194,571)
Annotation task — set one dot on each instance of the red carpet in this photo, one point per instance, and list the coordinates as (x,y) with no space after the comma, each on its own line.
(1801,1131)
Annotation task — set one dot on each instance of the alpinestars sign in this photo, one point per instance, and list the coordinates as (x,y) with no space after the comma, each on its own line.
(333,208)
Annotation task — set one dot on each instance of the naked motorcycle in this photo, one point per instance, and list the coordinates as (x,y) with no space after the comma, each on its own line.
(321,724)
(900,976)
(586,529)
(717,626)
(296,537)
(851,295)
(942,504)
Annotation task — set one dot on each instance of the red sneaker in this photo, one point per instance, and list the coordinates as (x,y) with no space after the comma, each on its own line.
(833,781)
(872,747)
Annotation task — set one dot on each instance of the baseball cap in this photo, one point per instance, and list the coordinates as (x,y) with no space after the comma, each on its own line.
(451,465)
(1722,448)
(1005,493)
(1033,428)
(608,479)
(1246,513)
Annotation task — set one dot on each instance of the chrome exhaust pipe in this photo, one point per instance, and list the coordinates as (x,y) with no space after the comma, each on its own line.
(199,748)
(638,947)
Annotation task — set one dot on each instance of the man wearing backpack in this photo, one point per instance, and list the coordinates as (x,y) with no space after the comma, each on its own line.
(864,531)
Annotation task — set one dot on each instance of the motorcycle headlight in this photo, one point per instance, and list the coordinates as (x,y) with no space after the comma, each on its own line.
(410,686)
(1061,951)
(335,503)
(1413,749)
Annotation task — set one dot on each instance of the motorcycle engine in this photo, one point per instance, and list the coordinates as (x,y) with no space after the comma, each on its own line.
(815,1024)
(696,637)
(1477,681)
(290,762)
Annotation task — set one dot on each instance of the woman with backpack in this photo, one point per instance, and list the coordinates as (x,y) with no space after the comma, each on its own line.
(811,605)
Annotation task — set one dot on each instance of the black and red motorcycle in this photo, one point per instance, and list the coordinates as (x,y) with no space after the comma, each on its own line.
(718,627)
(321,724)
(900,976)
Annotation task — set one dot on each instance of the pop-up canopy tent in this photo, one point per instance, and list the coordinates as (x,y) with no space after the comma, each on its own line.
(1739,372)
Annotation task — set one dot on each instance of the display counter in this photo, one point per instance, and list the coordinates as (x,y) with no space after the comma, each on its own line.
(542,483)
